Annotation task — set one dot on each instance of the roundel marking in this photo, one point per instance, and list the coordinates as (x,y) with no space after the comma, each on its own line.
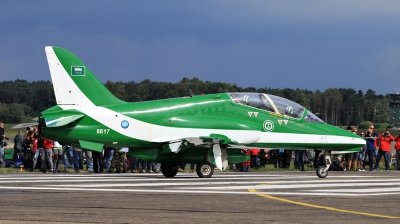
(124,124)
(268,125)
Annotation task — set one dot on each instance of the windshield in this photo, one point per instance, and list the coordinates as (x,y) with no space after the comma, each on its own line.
(312,118)
(273,104)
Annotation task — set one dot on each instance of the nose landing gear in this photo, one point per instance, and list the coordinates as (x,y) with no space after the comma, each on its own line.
(322,170)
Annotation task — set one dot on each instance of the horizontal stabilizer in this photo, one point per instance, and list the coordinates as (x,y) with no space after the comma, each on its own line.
(24,125)
(62,121)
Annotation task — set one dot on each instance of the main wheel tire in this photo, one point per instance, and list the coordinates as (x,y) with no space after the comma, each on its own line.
(321,173)
(169,169)
(205,169)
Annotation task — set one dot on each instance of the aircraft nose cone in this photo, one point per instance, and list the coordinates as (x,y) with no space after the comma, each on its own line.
(350,141)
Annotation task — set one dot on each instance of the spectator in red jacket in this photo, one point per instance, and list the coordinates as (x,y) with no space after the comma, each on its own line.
(384,149)
(254,156)
(397,147)
(246,165)
(47,154)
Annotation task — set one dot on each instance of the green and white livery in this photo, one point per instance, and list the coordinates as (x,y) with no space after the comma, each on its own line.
(207,130)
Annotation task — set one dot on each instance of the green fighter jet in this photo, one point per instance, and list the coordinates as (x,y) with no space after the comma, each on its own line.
(209,130)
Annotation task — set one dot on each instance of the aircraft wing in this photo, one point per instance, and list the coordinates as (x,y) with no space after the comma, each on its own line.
(214,140)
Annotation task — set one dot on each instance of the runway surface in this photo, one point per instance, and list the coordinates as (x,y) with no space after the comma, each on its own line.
(274,197)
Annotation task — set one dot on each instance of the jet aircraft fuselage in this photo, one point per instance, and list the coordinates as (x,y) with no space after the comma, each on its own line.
(151,123)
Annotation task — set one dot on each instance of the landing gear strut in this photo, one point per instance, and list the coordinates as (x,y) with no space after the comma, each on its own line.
(322,170)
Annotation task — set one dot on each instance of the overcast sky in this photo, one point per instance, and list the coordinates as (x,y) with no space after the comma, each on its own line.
(275,44)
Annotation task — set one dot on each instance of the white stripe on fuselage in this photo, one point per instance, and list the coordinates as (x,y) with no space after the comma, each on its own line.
(275,137)
(156,133)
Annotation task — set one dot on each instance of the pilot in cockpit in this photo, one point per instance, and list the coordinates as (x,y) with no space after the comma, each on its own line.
(289,110)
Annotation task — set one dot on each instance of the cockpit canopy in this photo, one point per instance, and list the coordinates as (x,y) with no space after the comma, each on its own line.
(274,104)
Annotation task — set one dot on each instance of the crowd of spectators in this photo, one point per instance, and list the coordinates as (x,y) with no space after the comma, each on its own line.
(29,147)
(34,152)
(281,158)
(376,147)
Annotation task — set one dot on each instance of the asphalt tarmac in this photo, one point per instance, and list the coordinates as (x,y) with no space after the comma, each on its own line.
(273,197)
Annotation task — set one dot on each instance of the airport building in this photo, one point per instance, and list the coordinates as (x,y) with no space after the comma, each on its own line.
(394,108)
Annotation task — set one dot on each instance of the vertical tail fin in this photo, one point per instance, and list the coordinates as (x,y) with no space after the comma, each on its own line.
(74,83)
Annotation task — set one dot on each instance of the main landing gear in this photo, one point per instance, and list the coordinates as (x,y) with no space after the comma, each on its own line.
(169,169)
(204,169)
(322,170)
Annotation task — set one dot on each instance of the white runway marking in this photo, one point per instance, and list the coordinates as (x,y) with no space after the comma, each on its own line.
(295,185)
(299,186)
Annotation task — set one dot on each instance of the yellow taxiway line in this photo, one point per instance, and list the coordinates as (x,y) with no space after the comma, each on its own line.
(321,207)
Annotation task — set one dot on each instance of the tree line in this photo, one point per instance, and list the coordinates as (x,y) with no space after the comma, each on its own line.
(336,106)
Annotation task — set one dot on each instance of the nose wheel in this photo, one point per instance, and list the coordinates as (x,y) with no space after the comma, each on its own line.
(322,171)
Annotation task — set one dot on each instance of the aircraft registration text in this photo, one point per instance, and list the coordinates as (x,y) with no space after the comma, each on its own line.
(103,131)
